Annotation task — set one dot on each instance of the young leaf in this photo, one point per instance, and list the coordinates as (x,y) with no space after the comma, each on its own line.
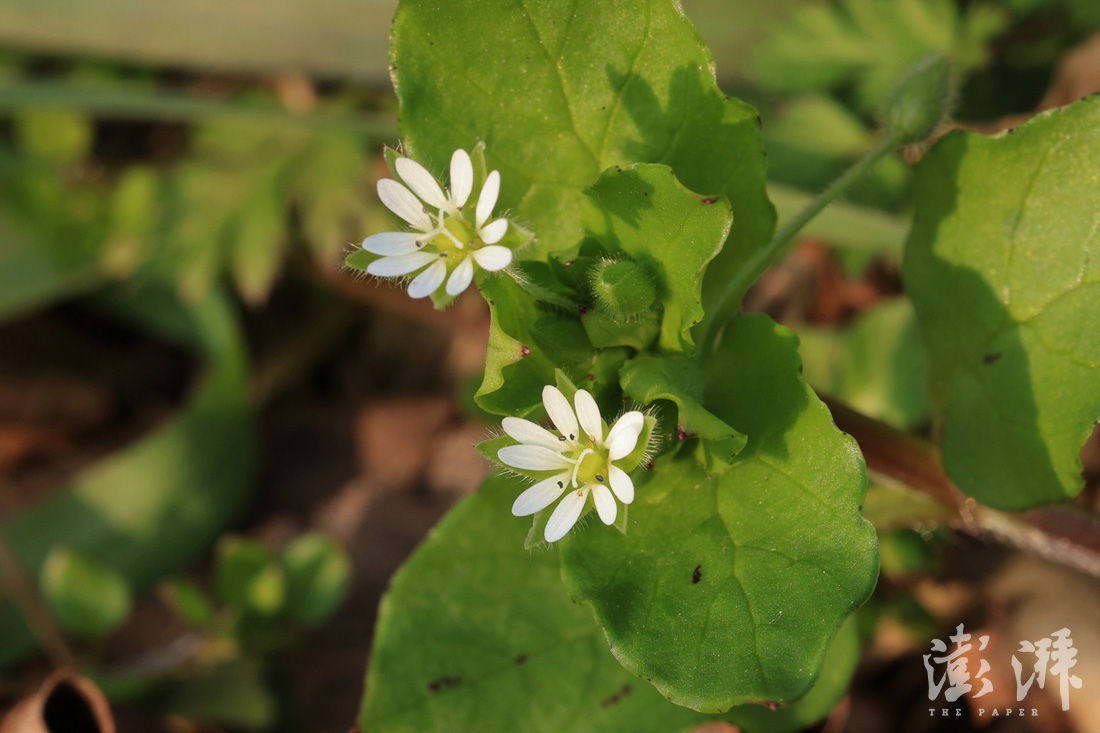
(666,229)
(726,589)
(497,644)
(88,598)
(318,572)
(560,91)
(1002,269)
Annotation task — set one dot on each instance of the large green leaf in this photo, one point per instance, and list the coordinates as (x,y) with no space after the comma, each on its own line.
(148,510)
(560,91)
(726,589)
(672,233)
(476,633)
(1002,269)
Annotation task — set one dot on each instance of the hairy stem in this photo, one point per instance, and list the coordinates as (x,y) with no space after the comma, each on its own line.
(1061,533)
(730,298)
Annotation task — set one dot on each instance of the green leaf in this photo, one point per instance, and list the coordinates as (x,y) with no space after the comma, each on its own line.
(318,573)
(56,135)
(677,378)
(235,694)
(88,598)
(727,589)
(673,233)
(1003,273)
(497,644)
(247,576)
(561,91)
(188,601)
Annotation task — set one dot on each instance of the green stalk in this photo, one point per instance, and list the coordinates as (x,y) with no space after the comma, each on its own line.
(157,104)
(773,251)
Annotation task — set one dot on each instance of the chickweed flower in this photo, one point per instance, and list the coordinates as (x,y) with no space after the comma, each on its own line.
(446,242)
(586,460)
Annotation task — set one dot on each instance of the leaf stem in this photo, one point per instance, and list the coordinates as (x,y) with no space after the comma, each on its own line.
(22,593)
(730,297)
(1062,533)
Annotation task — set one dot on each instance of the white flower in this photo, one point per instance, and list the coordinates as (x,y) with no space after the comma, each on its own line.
(448,245)
(583,456)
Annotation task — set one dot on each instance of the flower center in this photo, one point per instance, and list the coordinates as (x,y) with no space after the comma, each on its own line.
(456,239)
(591,466)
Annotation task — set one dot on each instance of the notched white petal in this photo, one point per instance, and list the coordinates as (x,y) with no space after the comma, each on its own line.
(540,496)
(565,515)
(623,436)
(560,412)
(605,504)
(621,484)
(461,277)
(494,231)
(493,258)
(528,432)
(421,182)
(462,177)
(401,201)
(391,243)
(487,199)
(428,281)
(532,458)
(400,264)
(589,415)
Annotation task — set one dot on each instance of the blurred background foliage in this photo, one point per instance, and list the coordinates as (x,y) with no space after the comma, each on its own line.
(181,181)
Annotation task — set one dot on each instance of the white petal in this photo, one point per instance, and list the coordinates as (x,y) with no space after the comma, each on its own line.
(422,183)
(605,504)
(560,412)
(400,264)
(565,515)
(487,199)
(400,201)
(589,415)
(532,458)
(462,177)
(621,484)
(391,243)
(493,258)
(493,232)
(528,432)
(428,281)
(623,436)
(540,496)
(461,277)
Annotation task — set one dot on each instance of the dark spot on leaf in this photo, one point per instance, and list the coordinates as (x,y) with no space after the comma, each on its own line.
(708,201)
(759,122)
(696,574)
(591,378)
(771,706)
(524,351)
(444,683)
(582,309)
(617,697)
(521,658)
(990,358)
(649,466)
(492,302)
(569,263)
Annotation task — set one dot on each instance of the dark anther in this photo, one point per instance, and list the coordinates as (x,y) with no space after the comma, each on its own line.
(599,478)
(561,438)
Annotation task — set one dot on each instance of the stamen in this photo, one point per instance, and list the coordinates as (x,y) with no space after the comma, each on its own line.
(561,438)
(599,478)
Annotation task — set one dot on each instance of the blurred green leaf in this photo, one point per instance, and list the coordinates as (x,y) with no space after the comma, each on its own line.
(149,509)
(318,574)
(54,134)
(188,601)
(88,598)
(247,577)
(235,695)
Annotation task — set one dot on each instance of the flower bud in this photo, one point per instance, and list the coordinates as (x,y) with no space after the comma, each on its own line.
(622,289)
(921,101)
